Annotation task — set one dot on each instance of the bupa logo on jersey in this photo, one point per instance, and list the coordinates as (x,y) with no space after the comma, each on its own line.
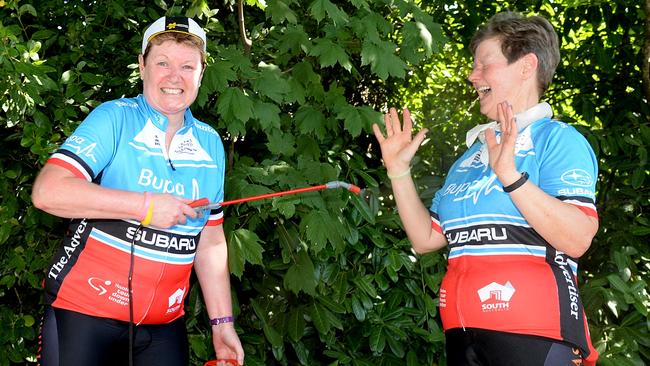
(149,179)
(472,190)
(81,147)
(496,297)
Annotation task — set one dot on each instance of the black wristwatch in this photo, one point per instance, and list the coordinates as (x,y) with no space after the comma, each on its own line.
(518,183)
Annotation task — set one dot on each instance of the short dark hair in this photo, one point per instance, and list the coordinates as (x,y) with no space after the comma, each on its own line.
(519,36)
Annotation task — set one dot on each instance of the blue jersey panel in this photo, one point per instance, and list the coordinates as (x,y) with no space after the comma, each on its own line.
(122,145)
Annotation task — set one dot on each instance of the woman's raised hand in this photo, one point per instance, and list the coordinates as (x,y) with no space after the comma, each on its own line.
(502,153)
(398,146)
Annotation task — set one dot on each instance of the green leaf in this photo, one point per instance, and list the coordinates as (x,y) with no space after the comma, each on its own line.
(235,104)
(296,324)
(617,283)
(319,229)
(272,335)
(91,79)
(27,8)
(358,309)
(382,59)
(352,120)
(310,121)
(197,345)
(638,176)
(281,143)
(217,76)
(364,208)
(11,174)
(271,83)
(321,9)
(360,4)
(268,114)
(331,304)
(8,281)
(320,317)
(301,275)
(330,53)
(243,246)
(365,284)
(294,40)
(396,346)
(377,339)
(279,11)
(43,34)
(28,320)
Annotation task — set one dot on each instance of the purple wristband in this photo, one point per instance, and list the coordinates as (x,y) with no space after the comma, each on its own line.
(225,319)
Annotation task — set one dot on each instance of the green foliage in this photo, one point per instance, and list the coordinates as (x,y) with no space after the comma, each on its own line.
(325,278)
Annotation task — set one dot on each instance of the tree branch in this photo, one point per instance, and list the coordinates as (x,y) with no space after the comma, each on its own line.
(242,29)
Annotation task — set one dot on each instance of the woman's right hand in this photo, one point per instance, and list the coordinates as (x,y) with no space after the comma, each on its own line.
(169,210)
(398,147)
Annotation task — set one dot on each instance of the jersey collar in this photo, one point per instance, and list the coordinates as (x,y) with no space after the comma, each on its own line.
(160,120)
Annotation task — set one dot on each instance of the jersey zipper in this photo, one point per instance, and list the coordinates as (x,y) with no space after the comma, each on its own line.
(166,153)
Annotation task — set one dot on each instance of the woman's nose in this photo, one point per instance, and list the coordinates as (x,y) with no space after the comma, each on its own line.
(473,75)
(174,73)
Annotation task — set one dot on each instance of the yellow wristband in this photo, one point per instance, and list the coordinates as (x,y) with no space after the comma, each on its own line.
(400,175)
(147,218)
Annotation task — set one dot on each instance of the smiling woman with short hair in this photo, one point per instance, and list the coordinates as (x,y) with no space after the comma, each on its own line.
(516,210)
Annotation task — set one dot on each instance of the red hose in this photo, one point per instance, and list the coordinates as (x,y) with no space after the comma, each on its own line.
(204,203)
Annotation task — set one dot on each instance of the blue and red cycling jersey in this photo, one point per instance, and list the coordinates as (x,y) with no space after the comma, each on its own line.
(502,275)
(121,145)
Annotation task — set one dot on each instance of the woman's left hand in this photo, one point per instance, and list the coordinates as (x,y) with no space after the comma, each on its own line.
(502,154)
(226,343)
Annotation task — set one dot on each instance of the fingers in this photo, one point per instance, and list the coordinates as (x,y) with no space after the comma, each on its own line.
(227,345)
(508,124)
(378,135)
(188,211)
(169,210)
(240,355)
(406,117)
(393,124)
(419,138)
(502,152)
(506,118)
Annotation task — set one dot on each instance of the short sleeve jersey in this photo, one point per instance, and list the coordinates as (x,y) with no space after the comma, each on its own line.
(502,275)
(121,145)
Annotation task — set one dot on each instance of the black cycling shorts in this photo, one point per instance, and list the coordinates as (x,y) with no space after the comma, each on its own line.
(479,347)
(73,339)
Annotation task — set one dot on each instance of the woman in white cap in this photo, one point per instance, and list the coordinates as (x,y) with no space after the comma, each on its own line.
(127,178)
(516,210)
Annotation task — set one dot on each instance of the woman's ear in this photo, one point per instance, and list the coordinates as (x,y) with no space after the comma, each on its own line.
(141,65)
(529,65)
